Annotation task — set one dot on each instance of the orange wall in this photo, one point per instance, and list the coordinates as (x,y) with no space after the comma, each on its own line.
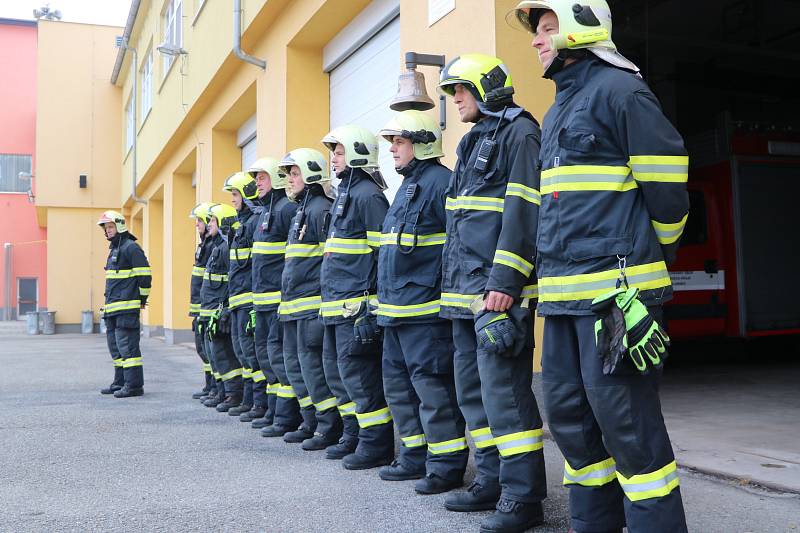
(18,136)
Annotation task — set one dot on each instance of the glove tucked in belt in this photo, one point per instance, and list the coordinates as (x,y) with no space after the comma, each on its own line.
(250,325)
(503,333)
(624,326)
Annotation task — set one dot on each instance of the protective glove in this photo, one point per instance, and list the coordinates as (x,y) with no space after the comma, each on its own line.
(200,328)
(250,325)
(194,324)
(365,328)
(625,327)
(225,321)
(213,323)
(502,333)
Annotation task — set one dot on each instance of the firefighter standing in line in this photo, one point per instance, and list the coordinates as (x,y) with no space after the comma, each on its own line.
(488,292)
(201,215)
(614,204)
(128,279)
(303,331)
(243,191)
(269,248)
(417,343)
(349,285)
(214,313)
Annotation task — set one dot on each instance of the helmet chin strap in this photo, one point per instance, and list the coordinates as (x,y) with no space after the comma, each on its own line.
(556,65)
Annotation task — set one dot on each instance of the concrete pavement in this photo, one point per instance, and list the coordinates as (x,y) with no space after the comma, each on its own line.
(73,460)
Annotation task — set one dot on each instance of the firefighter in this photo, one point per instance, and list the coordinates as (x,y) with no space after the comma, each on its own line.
(269,247)
(303,331)
(417,343)
(201,215)
(215,317)
(243,191)
(614,204)
(488,291)
(349,284)
(128,279)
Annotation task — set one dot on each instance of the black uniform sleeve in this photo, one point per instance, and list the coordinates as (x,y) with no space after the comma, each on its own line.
(373,212)
(516,246)
(439,198)
(660,166)
(141,271)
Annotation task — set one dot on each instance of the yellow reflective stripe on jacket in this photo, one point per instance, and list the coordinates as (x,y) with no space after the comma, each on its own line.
(587,178)
(660,168)
(235,373)
(402,311)
(529,194)
(653,485)
(348,408)
(669,233)
(198,271)
(142,271)
(129,273)
(217,376)
(305,401)
(520,442)
(239,253)
(482,437)
(144,291)
(374,239)
(206,368)
(305,250)
(309,303)
(512,260)
(269,248)
(589,286)
(215,277)
(374,418)
(266,298)
(448,446)
(530,291)
(258,376)
(339,245)
(286,391)
(240,299)
(414,441)
(122,306)
(475,203)
(408,239)
(593,475)
(452,299)
(131,362)
(194,308)
(207,312)
(336,307)
(324,405)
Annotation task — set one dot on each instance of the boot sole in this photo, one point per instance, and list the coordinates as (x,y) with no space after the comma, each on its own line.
(439,491)
(366,467)
(470,508)
(521,529)
(401,478)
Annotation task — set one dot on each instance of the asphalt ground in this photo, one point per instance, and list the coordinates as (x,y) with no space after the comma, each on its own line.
(73,460)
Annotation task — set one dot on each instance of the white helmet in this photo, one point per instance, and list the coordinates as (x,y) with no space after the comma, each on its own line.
(418,127)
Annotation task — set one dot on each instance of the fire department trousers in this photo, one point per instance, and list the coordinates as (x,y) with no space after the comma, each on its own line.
(308,334)
(495,396)
(262,340)
(202,329)
(246,354)
(122,336)
(269,342)
(421,392)
(362,378)
(345,406)
(619,464)
(291,360)
(220,349)
(199,345)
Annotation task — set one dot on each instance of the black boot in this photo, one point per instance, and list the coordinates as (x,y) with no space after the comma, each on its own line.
(357,461)
(232,400)
(128,392)
(302,433)
(275,431)
(342,449)
(252,414)
(206,389)
(119,381)
(397,471)
(477,498)
(513,517)
(261,423)
(111,389)
(433,484)
(240,409)
(318,442)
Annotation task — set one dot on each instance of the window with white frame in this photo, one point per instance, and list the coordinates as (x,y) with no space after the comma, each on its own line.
(146,85)
(130,118)
(173,29)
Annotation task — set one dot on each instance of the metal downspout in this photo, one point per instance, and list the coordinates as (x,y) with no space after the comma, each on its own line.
(237,38)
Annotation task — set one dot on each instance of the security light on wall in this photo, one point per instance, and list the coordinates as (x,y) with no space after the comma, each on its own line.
(169,49)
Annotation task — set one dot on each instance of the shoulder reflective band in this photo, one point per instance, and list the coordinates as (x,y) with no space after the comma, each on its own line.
(337,245)
(451,299)
(123,274)
(374,418)
(240,300)
(402,311)
(593,475)
(198,271)
(447,446)
(239,253)
(512,260)
(125,305)
(660,168)
(669,233)
(407,239)
(589,286)
(529,194)
(653,485)
(347,409)
(215,277)
(267,298)
(324,405)
(475,203)
(305,250)
(276,248)
(587,178)
(309,303)
(482,437)
(520,442)
(414,441)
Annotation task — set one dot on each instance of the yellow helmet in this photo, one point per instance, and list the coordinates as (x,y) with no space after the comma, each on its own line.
(270,166)
(360,145)
(242,182)
(418,127)
(487,77)
(115,217)
(312,164)
(201,212)
(580,25)
(225,215)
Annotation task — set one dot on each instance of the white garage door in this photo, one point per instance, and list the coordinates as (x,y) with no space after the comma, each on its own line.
(362,86)
(246,140)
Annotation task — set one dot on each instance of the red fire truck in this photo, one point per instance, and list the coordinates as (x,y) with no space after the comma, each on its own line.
(737,272)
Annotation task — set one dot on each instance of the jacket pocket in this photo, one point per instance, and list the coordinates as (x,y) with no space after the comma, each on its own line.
(577,140)
(583,249)
(423,278)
